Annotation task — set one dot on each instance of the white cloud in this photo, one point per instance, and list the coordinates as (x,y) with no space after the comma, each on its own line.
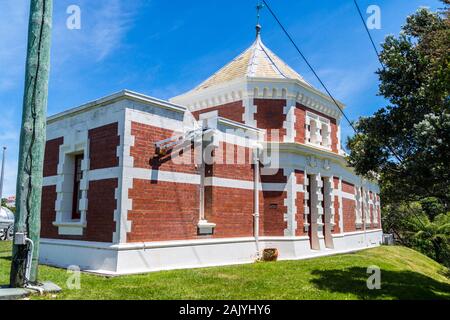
(347,83)
(105,24)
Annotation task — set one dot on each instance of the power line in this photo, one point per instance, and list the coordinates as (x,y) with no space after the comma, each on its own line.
(320,80)
(368,32)
(309,65)
(382,65)
(389,147)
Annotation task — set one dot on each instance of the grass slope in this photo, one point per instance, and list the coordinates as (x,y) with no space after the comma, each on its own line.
(405,274)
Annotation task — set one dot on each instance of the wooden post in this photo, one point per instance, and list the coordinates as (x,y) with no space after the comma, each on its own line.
(32,141)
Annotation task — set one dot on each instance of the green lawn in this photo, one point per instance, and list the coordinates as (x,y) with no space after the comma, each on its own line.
(405,274)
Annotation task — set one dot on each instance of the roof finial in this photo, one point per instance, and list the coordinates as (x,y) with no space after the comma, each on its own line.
(259,7)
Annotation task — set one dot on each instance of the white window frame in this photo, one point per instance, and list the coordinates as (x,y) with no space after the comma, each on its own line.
(318,131)
(64,201)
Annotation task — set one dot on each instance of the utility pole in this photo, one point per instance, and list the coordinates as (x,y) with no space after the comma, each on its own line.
(2,176)
(32,144)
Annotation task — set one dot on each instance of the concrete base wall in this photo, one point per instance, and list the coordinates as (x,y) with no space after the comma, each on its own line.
(155,256)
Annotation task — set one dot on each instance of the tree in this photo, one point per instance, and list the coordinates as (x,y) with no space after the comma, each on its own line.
(406,143)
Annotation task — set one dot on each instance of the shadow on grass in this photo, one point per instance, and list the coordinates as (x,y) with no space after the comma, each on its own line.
(7,258)
(394,284)
(445,272)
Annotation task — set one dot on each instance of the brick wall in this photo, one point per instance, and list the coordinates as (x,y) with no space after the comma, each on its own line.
(349,208)
(349,212)
(163,211)
(300,121)
(334,136)
(51,157)
(379,214)
(232,211)
(48,213)
(337,228)
(233,111)
(348,187)
(229,153)
(270,115)
(273,213)
(100,215)
(378,210)
(144,153)
(278,177)
(103,143)
(229,208)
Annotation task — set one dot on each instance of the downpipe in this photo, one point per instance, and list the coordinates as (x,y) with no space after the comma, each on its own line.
(256,214)
(28,268)
(29,258)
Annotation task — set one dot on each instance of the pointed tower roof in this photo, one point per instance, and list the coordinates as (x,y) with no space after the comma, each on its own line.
(256,62)
(244,77)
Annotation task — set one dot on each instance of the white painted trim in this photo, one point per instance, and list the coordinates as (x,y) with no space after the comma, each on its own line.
(115,97)
(290,203)
(289,123)
(341,208)
(104,174)
(50,181)
(182,243)
(154,120)
(345,195)
(361,232)
(165,176)
(120,259)
(245,184)
(244,87)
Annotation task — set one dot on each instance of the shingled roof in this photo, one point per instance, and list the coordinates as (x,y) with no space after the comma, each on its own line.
(256,62)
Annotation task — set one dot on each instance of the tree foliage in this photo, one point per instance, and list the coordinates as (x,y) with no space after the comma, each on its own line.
(406,144)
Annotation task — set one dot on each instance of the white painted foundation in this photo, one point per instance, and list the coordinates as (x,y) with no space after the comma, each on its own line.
(109,259)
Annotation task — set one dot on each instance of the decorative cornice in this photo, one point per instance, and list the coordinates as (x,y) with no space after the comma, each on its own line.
(115,97)
(261,88)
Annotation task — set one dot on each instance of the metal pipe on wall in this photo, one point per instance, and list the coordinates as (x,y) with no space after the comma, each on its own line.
(256,150)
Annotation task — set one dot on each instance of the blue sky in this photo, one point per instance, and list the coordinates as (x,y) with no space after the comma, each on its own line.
(163,48)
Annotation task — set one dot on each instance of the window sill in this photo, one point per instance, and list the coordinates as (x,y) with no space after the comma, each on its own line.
(70,228)
(319,146)
(206,228)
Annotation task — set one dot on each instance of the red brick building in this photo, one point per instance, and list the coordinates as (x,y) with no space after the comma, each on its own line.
(250,159)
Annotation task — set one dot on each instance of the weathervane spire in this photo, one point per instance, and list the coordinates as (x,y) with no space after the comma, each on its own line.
(259,7)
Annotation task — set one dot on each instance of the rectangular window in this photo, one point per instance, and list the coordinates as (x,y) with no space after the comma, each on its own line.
(77,194)
(319,130)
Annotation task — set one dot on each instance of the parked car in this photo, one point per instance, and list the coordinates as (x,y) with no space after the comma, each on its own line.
(6,224)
